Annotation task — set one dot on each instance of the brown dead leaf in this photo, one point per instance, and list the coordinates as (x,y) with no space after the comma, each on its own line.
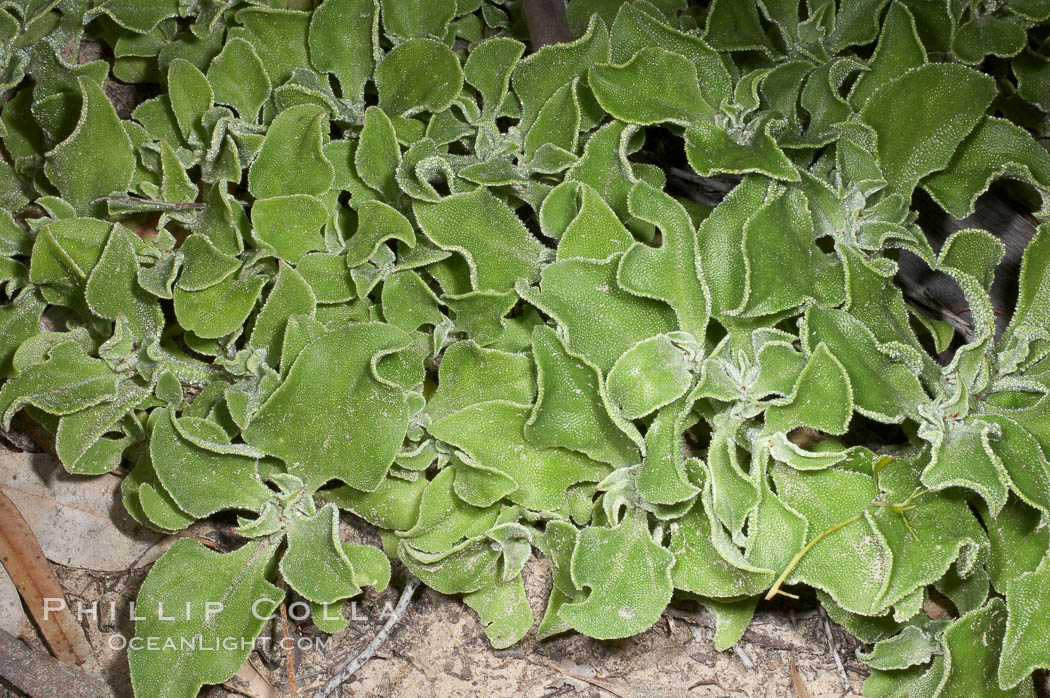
(36,582)
(796,679)
(249,681)
(78,521)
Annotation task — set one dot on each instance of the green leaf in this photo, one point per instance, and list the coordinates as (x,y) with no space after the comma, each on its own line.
(731,620)
(504,611)
(663,479)
(899,50)
(654,86)
(627,575)
(219,309)
(113,290)
(945,102)
(972,649)
(315,564)
(328,277)
(96,159)
(202,480)
(924,541)
(82,441)
(468,567)
(635,29)
(852,563)
(734,26)
(418,75)
(344,35)
(981,36)
(239,79)
(711,150)
(721,244)
(1024,646)
(653,373)
(570,409)
(489,431)
(445,519)
(1032,312)
(394,505)
(418,18)
(182,584)
(19,320)
(785,267)
(912,647)
(279,37)
(883,389)
(671,272)
(377,223)
(292,159)
(290,295)
(290,225)
(409,303)
(191,97)
(700,568)
(995,149)
(68,381)
(469,374)
(586,225)
(488,69)
(822,397)
(139,17)
(600,320)
(557,124)
(538,76)
(332,418)
(378,155)
(497,246)
(962,457)
(1018,541)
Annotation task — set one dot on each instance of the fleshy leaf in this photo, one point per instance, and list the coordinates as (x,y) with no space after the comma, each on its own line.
(315,564)
(291,160)
(653,373)
(352,425)
(239,78)
(822,397)
(192,591)
(570,409)
(627,575)
(945,101)
(418,75)
(343,37)
(68,381)
(477,225)
(582,295)
(96,159)
(491,433)
(654,86)
(670,272)
(202,481)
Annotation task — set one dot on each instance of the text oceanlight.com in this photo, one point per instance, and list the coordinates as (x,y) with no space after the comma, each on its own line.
(198,643)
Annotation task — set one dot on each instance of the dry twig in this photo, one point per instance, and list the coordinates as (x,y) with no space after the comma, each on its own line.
(353,664)
(37,674)
(604,685)
(288,649)
(835,651)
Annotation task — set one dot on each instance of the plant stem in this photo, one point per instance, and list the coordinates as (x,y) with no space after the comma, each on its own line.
(775,589)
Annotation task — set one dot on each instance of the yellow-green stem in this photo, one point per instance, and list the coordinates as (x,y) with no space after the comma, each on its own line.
(775,589)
